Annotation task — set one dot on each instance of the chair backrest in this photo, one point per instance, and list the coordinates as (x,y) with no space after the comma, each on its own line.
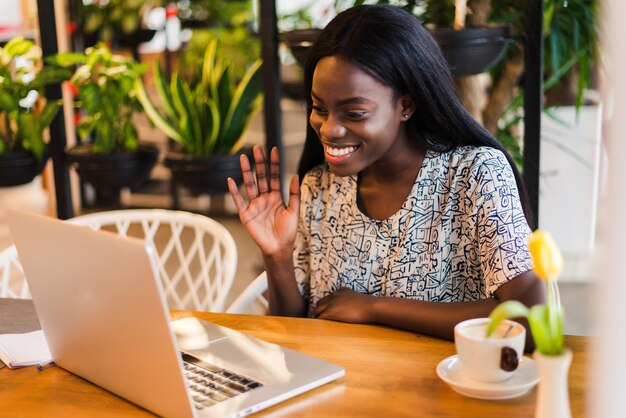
(253,299)
(197,256)
(12,282)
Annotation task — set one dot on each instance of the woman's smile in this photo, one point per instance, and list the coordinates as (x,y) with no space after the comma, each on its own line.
(337,155)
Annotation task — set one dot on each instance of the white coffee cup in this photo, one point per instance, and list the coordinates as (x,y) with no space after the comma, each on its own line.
(489,359)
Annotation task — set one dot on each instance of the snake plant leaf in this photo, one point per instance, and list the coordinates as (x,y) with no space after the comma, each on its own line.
(505,310)
(240,110)
(184,104)
(154,115)
(164,92)
(31,133)
(213,118)
(185,131)
(208,63)
(225,85)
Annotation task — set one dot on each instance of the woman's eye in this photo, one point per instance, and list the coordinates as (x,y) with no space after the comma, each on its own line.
(320,110)
(355,115)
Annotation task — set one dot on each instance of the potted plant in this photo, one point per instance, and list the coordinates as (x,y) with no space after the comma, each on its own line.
(546,326)
(206,121)
(110,156)
(24,111)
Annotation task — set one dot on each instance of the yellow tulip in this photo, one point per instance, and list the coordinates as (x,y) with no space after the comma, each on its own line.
(546,255)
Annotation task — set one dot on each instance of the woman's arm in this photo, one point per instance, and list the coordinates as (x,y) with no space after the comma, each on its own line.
(433,318)
(285,298)
(272,225)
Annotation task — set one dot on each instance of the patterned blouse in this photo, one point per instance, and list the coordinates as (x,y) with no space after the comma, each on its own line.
(460,234)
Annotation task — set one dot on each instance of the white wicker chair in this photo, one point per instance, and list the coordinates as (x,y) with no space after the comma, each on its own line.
(12,283)
(252,300)
(197,256)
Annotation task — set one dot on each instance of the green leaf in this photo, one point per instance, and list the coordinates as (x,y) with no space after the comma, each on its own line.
(86,125)
(213,120)
(130,139)
(154,115)
(18,46)
(31,134)
(91,98)
(184,104)
(241,108)
(48,113)
(208,64)
(164,92)
(538,320)
(51,75)
(66,59)
(7,102)
(505,310)
(225,91)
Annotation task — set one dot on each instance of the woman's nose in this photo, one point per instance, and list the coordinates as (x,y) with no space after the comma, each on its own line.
(331,129)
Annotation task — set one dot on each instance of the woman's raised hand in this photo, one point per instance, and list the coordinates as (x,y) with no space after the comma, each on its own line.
(270,223)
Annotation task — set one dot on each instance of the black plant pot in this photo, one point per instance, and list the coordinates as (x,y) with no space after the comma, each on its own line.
(205,174)
(113,172)
(19,167)
(300,42)
(472,50)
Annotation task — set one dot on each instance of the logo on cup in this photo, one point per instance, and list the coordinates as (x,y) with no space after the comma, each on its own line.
(489,359)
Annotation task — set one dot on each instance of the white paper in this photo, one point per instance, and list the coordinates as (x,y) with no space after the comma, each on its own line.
(17,350)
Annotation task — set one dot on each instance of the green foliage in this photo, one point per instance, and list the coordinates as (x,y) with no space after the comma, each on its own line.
(235,42)
(105,83)
(546,323)
(210,117)
(110,19)
(24,112)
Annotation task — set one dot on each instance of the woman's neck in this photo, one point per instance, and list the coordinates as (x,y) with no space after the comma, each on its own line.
(384,187)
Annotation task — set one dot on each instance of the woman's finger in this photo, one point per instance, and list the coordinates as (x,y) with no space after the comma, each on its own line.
(294,194)
(322,304)
(240,204)
(248,178)
(275,185)
(261,170)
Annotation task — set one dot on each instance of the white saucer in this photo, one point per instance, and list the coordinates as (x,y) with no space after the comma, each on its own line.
(525,377)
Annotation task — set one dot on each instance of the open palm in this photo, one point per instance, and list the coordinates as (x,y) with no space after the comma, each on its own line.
(270,223)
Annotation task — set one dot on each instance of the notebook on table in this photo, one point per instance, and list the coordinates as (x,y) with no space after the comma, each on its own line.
(103,312)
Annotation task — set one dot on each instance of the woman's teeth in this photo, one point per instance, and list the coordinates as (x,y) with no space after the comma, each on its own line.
(338,152)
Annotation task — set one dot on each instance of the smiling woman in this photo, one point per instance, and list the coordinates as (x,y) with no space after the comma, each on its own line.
(405,201)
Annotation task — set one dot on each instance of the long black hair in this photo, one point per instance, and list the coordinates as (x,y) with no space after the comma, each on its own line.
(390,45)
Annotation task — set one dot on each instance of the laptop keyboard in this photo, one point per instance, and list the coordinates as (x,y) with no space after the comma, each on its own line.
(212,384)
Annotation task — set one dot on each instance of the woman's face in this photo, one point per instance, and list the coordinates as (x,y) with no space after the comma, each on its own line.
(359,121)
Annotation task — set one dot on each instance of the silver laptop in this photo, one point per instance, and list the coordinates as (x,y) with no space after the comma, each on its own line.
(103,312)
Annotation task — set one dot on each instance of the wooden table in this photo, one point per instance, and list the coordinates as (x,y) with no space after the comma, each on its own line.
(389,373)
